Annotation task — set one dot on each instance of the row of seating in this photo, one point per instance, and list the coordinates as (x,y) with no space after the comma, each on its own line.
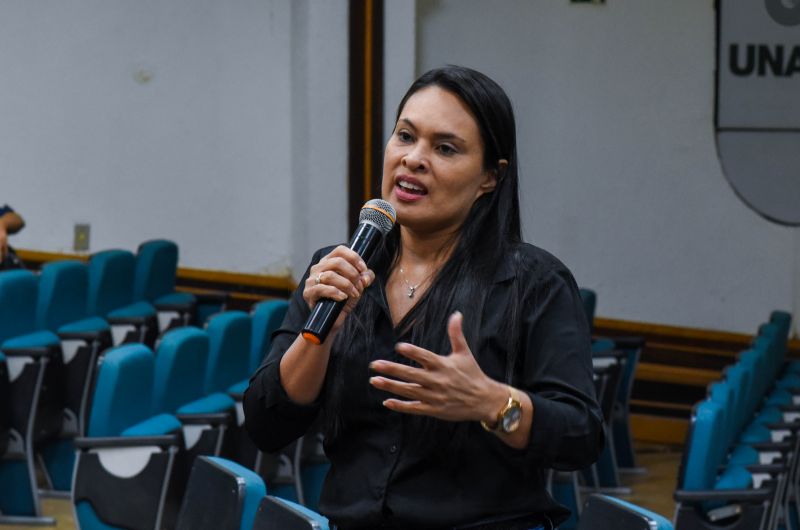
(46,375)
(139,460)
(740,465)
(198,374)
(614,362)
(197,430)
(152,414)
(53,327)
(184,394)
(234,492)
(239,500)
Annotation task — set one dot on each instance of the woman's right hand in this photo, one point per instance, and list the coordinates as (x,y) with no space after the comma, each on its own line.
(340,275)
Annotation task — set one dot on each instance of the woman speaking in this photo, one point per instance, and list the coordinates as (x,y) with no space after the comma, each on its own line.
(459,370)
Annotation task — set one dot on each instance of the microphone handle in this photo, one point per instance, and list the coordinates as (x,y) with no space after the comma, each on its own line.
(364,242)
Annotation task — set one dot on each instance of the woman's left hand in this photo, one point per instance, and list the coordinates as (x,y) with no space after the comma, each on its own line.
(451,387)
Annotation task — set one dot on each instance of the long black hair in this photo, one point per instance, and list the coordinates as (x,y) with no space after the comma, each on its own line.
(484,241)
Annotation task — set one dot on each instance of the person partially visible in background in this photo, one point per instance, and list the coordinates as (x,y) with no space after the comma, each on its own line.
(10,223)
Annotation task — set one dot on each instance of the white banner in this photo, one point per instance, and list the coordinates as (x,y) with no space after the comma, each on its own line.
(759,64)
(758,104)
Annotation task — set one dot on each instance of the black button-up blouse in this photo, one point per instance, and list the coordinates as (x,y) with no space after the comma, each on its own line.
(380,476)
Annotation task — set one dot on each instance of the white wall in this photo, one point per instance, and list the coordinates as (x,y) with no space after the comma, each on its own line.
(320,139)
(236,147)
(204,152)
(399,61)
(620,176)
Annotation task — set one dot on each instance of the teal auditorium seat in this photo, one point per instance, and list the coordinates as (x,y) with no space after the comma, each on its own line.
(609,370)
(181,361)
(565,486)
(111,282)
(275,513)
(314,467)
(156,269)
(620,429)
(608,513)
(741,458)
(229,351)
(221,495)
(589,299)
(123,466)
(156,272)
(712,494)
(228,371)
(36,395)
(266,317)
(298,472)
(62,308)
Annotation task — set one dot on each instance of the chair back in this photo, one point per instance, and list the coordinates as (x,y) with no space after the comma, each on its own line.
(111,276)
(724,395)
(229,350)
(609,368)
(123,393)
(266,316)
(156,268)
(180,368)
(63,294)
(774,347)
(18,293)
(783,320)
(703,453)
(740,378)
(608,513)
(589,298)
(220,495)
(280,514)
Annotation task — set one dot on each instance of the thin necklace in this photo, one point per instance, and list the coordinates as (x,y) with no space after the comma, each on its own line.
(412,289)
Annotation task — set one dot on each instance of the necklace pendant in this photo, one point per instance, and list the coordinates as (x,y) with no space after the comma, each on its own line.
(411,291)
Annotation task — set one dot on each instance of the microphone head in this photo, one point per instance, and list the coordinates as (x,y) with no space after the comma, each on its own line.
(378,213)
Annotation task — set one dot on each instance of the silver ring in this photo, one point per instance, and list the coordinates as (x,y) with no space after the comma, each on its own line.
(318,279)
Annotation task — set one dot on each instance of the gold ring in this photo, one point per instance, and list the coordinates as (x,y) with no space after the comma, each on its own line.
(318,279)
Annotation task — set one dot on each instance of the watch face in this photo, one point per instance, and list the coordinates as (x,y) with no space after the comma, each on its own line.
(511,419)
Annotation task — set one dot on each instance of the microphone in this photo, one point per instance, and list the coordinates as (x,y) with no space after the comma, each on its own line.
(375,220)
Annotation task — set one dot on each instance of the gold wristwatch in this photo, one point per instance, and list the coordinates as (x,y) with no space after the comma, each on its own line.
(509,417)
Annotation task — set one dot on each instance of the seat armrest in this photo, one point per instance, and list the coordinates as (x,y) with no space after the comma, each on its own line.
(212,297)
(772,469)
(133,321)
(38,351)
(162,440)
(212,418)
(88,336)
(784,426)
(628,343)
(179,308)
(748,495)
(616,354)
(782,447)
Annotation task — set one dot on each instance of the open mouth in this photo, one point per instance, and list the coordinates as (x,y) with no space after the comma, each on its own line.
(410,187)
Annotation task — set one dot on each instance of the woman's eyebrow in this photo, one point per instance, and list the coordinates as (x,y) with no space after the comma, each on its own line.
(437,135)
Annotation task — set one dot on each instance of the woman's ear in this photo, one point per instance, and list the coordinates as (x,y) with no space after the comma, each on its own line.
(502,166)
(493,175)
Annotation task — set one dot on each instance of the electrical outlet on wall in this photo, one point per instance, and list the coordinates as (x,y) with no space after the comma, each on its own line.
(81,241)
